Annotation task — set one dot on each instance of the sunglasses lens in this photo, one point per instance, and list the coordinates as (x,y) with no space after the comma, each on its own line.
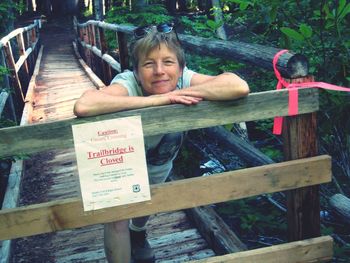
(141,31)
(165,28)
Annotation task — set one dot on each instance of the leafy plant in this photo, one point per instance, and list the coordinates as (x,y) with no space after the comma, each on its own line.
(152,14)
(253,218)
(7,14)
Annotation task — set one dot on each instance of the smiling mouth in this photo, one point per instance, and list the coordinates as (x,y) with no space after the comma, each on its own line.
(159,82)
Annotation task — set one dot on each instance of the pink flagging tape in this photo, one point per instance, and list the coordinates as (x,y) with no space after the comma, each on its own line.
(293,92)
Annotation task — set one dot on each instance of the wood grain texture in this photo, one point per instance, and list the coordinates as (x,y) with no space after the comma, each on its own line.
(311,250)
(68,213)
(158,120)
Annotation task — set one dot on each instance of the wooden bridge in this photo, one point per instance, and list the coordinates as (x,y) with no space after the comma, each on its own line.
(42,219)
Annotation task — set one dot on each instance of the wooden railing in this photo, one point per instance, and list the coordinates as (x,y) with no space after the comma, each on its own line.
(300,174)
(93,47)
(18,53)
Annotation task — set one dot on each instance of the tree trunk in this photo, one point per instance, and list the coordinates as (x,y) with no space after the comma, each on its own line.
(221,33)
(138,4)
(108,5)
(57,7)
(202,5)
(171,6)
(10,20)
(98,4)
(29,6)
(45,7)
(182,5)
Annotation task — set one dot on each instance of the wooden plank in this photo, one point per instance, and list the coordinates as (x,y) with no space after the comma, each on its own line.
(123,51)
(205,253)
(215,231)
(159,120)
(311,250)
(92,76)
(68,213)
(213,228)
(176,237)
(12,193)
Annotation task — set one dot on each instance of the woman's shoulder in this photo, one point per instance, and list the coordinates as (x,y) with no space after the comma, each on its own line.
(126,75)
(128,81)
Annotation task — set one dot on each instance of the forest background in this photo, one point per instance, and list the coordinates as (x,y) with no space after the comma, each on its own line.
(318,29)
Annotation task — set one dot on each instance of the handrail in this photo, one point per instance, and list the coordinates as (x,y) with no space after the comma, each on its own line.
(301,175)
(159,120)
(289,64)
(299,134)
(18,31)
(26,46)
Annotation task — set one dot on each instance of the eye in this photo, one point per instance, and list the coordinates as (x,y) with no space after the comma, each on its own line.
(169,62)
(148,64)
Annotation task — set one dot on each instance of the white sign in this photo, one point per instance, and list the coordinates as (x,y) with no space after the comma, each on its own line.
(111,162)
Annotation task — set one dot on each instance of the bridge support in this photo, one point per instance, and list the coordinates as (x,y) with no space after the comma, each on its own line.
(303,204)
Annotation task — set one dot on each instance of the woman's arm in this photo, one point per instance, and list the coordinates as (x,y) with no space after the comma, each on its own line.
(116,98)
(225,86)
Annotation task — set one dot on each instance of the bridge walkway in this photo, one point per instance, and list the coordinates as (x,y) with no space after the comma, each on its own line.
(52,175)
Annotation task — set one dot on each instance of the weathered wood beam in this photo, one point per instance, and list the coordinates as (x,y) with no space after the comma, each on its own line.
(18,31)
(341,204)
(290,65)
(246,151)
(159,120)
(213,228)
(310,250)
(215,231)
(68,213)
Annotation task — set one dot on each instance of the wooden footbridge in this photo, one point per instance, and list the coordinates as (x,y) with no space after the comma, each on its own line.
(42,218)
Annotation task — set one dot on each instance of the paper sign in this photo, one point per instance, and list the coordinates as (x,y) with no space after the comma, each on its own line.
(111,162)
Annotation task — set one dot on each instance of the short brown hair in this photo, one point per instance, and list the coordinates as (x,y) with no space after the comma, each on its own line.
(143,46)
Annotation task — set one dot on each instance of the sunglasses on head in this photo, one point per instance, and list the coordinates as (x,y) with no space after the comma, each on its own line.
(142,31)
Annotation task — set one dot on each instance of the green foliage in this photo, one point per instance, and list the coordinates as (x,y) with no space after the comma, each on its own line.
(321,31)
(272,152)
(7,14)
(199,25)
(6,123)
(252,217)
(152,14)
(211,65)
(3,71)
(342,251)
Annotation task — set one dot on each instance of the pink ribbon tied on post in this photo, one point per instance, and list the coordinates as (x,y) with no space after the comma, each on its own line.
(293,92)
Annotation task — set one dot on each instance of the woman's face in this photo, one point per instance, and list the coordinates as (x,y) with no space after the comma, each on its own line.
(159,71)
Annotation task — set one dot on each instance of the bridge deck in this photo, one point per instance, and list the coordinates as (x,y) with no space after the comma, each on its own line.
(53,175)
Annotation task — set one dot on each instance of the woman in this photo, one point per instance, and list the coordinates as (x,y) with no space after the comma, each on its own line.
(159,77)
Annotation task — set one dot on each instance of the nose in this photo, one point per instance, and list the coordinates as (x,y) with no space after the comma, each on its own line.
(158,69)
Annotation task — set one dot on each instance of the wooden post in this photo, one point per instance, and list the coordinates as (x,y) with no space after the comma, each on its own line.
(123,51)
(106,70)
(86,51)
(13,113)
(21,50)
(303,204)
(92,43)
(31,58)
(12,66)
